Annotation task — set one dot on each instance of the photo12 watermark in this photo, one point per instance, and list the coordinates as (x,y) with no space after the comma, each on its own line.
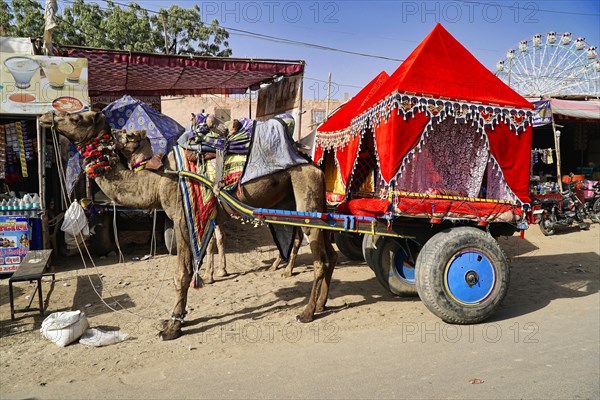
(272,332)
(228,12)
(426,332)
(469,12)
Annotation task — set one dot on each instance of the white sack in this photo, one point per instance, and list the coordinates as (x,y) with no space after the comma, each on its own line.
(98,337)
(64,327)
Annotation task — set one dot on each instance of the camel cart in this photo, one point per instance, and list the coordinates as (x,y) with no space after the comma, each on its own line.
(428,166)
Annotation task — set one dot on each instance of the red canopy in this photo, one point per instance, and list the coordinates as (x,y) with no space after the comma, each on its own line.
(340,121)
(113,72)
(441,67)
(441,80)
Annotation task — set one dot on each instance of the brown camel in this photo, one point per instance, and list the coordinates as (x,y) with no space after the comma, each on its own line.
(136,148)
(304,184)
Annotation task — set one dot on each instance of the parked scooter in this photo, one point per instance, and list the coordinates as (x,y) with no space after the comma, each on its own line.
(553,213)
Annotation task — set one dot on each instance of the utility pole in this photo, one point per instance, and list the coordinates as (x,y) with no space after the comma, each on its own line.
(328,96)
(164,23)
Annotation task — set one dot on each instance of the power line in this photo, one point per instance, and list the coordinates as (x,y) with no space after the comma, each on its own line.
(275,39)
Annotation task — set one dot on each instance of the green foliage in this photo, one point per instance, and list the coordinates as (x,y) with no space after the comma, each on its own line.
(5,18)
(125,28)
(29,19)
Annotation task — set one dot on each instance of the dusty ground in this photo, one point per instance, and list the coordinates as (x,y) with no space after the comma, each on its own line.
(241,339)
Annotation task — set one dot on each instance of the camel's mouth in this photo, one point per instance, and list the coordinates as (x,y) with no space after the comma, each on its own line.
(46,119)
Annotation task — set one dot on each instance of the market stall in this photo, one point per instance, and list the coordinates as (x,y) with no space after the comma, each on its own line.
(31,86)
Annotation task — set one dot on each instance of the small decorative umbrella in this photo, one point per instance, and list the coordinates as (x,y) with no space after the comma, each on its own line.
(132,114)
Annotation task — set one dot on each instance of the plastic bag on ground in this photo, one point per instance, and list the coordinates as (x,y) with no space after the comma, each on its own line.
(64,327)
(98,337)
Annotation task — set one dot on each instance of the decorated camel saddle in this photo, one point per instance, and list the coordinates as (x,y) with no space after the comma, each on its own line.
(229,153)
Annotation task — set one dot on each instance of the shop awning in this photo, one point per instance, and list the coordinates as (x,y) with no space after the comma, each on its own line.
(117,73)
(581,110)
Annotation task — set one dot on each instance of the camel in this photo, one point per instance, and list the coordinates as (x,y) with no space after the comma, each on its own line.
(137,150)
(304,184)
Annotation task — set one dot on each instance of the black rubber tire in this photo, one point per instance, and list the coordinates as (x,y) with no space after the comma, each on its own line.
(169,236)
(437,257)
(369,245)
(548,225)
(350,245)
(386,255)
(596,210)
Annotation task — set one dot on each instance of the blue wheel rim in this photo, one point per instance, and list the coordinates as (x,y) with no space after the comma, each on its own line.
(470,277)
(403,267)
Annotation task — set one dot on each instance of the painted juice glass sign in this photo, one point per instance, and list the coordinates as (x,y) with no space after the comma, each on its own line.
(37,84)
(14,242)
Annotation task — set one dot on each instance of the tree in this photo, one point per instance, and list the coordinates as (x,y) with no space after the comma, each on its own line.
(5,18)
(130,28)
(188,34)
(29,17)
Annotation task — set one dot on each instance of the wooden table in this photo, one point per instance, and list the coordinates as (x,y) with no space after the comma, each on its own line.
(31,269)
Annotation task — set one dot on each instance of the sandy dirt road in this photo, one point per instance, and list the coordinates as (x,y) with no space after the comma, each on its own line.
(241,339)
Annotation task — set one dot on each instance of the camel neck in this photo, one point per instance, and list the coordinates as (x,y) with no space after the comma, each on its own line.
(99,156)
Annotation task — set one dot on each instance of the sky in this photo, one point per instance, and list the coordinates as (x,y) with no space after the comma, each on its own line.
(384,32)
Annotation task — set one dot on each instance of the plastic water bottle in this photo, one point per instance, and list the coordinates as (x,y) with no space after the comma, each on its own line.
(36,202)
(3,207)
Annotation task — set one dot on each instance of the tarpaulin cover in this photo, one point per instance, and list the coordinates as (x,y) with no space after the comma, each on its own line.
(113,72)
(132,114)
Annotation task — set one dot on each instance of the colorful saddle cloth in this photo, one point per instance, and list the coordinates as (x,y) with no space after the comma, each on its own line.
(199,201)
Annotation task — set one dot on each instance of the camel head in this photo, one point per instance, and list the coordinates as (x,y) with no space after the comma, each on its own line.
(78,127)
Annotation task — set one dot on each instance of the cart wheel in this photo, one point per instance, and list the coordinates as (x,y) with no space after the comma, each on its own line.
(369,245)
(548,224)
(395,265)
(462,275)
(169,235)
(350,245)
(596,211)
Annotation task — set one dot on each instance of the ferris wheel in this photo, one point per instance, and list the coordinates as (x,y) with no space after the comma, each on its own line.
(554,65)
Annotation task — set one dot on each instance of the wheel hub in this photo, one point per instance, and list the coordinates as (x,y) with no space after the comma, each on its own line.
(471,278)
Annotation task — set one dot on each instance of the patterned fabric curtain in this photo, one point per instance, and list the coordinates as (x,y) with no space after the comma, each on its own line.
(453,157)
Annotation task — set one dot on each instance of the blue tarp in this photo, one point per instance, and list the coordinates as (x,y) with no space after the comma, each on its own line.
(132,114)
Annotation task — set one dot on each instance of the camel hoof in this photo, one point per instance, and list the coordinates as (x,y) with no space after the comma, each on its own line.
(320,309)
(168,334)
(304,319)
(272,268)
(286,274)
(208,281)
(221,273)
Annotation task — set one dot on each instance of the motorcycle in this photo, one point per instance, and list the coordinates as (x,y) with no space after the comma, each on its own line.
(592,204)
(551,213)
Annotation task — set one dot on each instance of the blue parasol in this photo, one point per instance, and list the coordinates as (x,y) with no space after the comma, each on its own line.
(132,114)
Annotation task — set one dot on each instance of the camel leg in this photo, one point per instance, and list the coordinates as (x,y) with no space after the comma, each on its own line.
(183,278)
(331,261)
(207,277)
(220,242)
(317,248)
(295,248)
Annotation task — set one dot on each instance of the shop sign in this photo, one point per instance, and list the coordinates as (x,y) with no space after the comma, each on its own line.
(37,84)
(14,242)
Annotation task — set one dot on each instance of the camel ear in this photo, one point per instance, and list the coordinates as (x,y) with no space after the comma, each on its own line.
(143,134)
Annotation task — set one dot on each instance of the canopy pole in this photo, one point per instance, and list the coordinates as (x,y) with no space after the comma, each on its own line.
(557,146)
(328,96)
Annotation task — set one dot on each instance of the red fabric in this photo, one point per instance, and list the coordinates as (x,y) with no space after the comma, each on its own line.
(513,153)
(365,207)
(342,117)
(442,67)
(113,72)
(346,156)
(395,138)
(318,154)
(440,208)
